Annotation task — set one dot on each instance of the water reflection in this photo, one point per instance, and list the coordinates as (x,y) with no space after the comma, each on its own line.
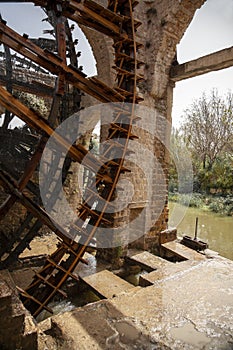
(214,229)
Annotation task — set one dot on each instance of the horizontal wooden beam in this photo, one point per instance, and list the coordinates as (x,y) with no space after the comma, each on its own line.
(35,88)
(10,186)
(92,15)
(55,65)
(212,62)
(76,152)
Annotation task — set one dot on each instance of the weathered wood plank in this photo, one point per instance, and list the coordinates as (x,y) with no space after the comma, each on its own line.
(30,117)
(55,65)
(35,88)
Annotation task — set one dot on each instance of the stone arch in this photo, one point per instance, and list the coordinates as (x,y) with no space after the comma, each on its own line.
(163,25)
(101,46)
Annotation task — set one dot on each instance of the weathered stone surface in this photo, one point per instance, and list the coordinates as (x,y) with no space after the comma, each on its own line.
(165,271)
(17,329)
(148,261)
(168,235)
(212,62)
(106,284)
(177,249)
(190,310)
(30,336)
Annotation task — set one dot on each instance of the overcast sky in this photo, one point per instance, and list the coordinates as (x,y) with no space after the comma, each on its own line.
(211,30)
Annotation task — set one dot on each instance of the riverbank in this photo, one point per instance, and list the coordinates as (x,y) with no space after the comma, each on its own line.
(214,203)
(213,228)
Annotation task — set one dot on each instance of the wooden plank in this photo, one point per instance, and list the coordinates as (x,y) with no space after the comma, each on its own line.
(35,88)
(106,284)
(32,207)
(105,18)
(55,65)
(148,261)
(97,17)
(61,44)
(209,63)
(26,295)
(183,252)
(77,152)
(105,12)
(45,281)
(66,272)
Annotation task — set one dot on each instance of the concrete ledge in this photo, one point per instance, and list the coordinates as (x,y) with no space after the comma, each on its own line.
(167,271)
(181,251)
(191,310)
(148,261)
(107,285)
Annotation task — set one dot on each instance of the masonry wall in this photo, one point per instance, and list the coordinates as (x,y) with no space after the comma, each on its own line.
(163,25)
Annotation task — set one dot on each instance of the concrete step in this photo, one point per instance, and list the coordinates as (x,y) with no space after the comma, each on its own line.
(181,251)
(165,272)
(148,261)
(107,285)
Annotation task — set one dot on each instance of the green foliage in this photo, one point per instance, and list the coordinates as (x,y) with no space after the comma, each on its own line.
(223,205)
(180,170)
(219,178)
(207,131)
(217,204)
(194,200)
(208,127)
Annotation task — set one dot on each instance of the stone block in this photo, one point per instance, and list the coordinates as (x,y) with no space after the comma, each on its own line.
(168,235)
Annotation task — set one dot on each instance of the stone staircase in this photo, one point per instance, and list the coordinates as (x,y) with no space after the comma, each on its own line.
(159,268)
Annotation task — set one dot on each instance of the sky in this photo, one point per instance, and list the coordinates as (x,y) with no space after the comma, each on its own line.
(210,30)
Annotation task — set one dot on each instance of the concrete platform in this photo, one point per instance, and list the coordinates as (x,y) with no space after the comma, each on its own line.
(192,310)
(148,261)
(107,285)
(182,251)
(165,272)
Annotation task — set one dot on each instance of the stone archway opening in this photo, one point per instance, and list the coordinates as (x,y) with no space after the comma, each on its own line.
(204,55)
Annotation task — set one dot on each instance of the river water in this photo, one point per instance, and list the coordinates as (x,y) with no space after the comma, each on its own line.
(214,229)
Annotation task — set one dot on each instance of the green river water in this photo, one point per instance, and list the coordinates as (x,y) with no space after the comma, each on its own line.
(214,229)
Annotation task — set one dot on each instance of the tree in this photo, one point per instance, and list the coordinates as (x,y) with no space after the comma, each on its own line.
(180,172)
(208,127)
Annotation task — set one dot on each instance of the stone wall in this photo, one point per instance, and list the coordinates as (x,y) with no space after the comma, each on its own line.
(163,25)
(17,328)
